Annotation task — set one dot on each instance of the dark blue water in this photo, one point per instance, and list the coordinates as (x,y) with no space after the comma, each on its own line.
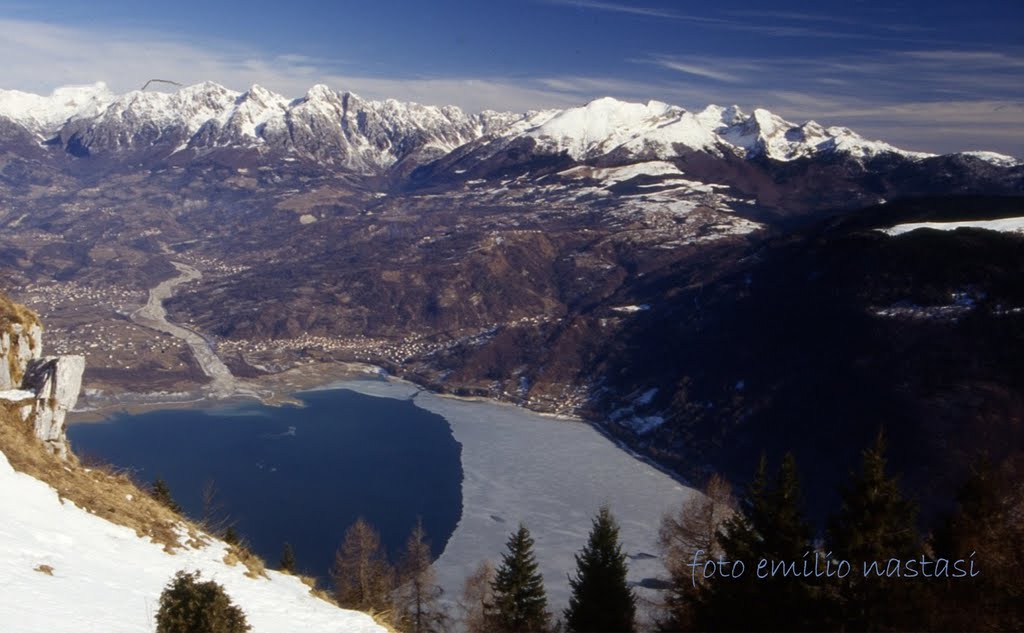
(300,475)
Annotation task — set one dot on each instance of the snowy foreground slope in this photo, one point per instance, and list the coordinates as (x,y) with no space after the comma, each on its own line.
(105,579)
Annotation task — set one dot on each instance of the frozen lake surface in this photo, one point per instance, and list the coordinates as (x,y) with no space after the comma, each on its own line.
(552,475)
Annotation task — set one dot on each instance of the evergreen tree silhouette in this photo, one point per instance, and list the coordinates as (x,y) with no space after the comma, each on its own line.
(287,563)
(874,523)
(161,493)
(601,598)
(520,602)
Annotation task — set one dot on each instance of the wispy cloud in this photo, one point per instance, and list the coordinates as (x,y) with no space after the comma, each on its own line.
(765,23)
(709,71)
(50,56)
(823,18)
(616,7)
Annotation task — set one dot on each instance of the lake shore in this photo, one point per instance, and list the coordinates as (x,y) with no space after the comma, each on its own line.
(550,472)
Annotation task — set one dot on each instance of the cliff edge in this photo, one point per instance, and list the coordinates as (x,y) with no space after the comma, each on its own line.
(41,389)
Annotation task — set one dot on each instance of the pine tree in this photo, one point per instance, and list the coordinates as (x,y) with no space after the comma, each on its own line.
(786,534)
(363,579)
(601,598)
(188,605)
(520,602)
(231,536)
(162,495)
(418,609)
(874,523)
(771,527)
(287,563)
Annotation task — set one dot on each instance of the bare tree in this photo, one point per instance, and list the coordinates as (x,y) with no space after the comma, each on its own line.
(477,598)
(683,536)
(695,525)
(215,518)
(363,579)
(417,596)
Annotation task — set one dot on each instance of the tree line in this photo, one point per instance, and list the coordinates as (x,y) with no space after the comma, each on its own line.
(752,564)
(871,569)
(508,599)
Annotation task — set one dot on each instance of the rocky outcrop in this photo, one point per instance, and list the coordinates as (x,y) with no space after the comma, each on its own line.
(41,389)
(55,381)
(19,343)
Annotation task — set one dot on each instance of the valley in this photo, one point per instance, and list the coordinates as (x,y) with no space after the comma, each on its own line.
(701,285)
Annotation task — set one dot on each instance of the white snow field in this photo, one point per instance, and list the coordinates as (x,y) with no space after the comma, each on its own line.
(1004,225)
(105,579)
(552,475)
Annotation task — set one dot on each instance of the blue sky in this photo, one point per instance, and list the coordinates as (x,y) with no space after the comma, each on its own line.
(930,76)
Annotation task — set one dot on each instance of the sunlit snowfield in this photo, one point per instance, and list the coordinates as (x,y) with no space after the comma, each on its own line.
(551,475)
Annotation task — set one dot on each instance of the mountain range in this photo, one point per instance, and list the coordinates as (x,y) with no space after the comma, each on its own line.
(371,136)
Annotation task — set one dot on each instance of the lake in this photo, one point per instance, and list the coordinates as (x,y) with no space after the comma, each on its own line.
(297,474)
(390,451)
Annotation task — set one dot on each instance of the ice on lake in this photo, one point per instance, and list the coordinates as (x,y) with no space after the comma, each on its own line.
(550,474)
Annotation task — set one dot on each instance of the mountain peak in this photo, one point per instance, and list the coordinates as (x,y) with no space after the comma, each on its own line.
(45,114)
(320,91)
(715,116)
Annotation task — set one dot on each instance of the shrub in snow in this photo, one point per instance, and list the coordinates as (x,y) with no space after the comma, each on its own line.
(188,605)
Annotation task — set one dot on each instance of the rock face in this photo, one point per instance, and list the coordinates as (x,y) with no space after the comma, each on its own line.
(41,389)
(19,344)
(56,381)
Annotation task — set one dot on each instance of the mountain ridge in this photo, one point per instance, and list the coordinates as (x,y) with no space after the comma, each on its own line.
(368,136)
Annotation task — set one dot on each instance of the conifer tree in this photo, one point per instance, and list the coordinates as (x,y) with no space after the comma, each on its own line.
(231,536)
(520,602)
(601,598)
(363,579)
(287,563)
(190,605)
(161,493)
(417,596)
(771,527)
(874,521)
(874,524)
(786,533)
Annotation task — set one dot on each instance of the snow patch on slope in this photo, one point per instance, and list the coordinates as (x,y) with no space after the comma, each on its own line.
(1004,225)
(612,175)
(999,160)
(105,579)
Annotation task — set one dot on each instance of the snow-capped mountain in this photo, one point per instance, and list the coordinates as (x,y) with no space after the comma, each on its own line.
(45,115)
(339,128)
(347,131)
(660,130)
